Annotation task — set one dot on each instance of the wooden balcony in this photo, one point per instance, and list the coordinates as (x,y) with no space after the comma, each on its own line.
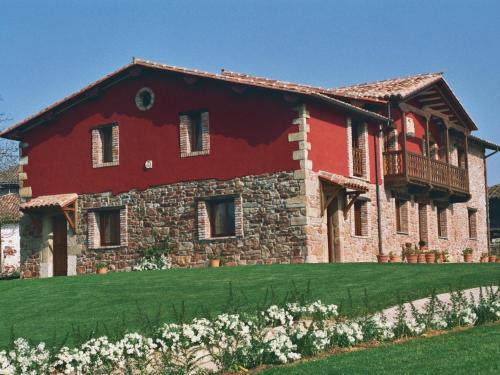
(421,171)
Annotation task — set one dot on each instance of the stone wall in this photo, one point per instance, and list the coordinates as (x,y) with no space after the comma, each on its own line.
(270,232)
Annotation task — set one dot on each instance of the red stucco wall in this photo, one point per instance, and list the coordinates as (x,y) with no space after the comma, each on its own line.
(328,137)
(248,135)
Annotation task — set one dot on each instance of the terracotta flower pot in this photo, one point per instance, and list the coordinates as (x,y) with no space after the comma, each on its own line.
(468,258)
(421,258)
(383,258)
(214,263)
(411,258)
(430,257)
(492,259)
(395,259)
(102,270)
(484,259)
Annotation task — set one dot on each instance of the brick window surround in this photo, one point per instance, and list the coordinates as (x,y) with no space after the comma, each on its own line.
(442,221)
(360,224)
(94,227)
(205,215)
(194,133)
(401,208)
(472,216)
(357,146)
(105,146)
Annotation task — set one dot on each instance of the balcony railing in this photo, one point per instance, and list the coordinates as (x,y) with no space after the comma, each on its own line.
(425,170)
(357,161)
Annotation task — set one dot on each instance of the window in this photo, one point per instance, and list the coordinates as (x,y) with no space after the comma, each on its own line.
(358,149)
(105,148)
(107,144)
(441,221)
(401,216)
(472,222)
(109,228)
(360,217)
(194,133)
(221,214)
(144,99)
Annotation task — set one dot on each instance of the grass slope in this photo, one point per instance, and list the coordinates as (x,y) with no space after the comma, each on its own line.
(473,351)
(41,309)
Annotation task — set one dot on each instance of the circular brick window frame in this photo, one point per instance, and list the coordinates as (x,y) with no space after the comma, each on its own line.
(141,96)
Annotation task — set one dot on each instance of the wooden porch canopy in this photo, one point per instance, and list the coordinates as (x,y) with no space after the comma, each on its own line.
(67,203)
(354,187)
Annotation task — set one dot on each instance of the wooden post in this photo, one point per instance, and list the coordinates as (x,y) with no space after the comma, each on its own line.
(403,127)
(428,149)
(466,144)
(448,178)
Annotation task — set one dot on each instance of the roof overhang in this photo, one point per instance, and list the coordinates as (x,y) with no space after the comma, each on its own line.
(138,66)
(343,182)
(66,203)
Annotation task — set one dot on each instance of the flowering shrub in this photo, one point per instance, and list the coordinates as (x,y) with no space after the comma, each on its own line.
(159,262)
(279,334)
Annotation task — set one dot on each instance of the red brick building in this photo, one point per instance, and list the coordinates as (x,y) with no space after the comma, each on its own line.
(257,170)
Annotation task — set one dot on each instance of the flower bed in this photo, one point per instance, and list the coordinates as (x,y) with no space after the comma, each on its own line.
(279,334)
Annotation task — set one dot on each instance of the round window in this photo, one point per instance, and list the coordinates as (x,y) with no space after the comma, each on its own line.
(144,99)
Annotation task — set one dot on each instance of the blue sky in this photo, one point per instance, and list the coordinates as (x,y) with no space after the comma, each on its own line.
(50,49)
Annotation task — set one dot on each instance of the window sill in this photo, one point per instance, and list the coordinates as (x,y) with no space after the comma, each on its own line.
(221,238)
(361,237)
(107,247)
(194,153)
(104,165)
(473,238)
(442,237)
(402,233)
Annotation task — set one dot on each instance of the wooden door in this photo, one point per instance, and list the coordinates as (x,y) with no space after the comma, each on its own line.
(332,225)
(60,254)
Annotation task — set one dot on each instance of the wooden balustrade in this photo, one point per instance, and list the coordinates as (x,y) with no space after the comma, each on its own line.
(357,158)
(421,169)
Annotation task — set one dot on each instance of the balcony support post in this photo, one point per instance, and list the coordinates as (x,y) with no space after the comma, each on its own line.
(448,176)
(428,149)
(466,147)
(403,127)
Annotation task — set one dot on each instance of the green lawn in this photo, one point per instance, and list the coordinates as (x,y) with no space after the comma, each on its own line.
(47,308)
(474,351)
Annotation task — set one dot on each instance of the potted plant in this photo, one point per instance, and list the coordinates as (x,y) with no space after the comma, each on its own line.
(214,260)
(492,258)
(446,256)
(484,258)
(467,253)
(394,258)
(382,258)
(422,245)
(430,257)
(102,267)
(420,255)
(438,256)
(409,253)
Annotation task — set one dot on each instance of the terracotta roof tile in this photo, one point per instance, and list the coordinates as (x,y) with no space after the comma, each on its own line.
(9,207)
(385,89)
(44,201)
(350,183)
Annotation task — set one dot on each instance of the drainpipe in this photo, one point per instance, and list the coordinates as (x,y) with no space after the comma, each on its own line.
(486,194)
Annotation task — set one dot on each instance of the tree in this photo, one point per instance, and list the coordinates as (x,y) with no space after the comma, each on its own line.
(8,149)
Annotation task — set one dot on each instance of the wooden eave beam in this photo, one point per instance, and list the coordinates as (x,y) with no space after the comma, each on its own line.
(71,214)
